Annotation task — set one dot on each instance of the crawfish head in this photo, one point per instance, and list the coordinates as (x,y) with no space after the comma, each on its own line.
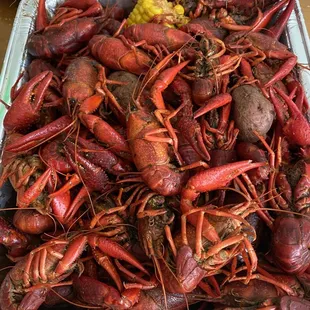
(98,293)
(93,176)
(15,241)
(254,293)
(188,271)
(39,65)
(204,65)
(203,89)
(246,150)
(151,228)
(290,243)
(80,78)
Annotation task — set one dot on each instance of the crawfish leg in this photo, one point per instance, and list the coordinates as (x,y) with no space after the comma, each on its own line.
(267,16)
(209,231)
(72,182)
(79,199)
(134,277)
(114,249)
(274,162)
(252,265)
(34,191)
(170,240)
(276,30)
(74,251)
(162,82)
(263,215)
(132,45)
(105,262)
(166,122)
(283,71)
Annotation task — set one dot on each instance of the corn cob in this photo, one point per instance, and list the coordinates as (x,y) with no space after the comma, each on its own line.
(146,10)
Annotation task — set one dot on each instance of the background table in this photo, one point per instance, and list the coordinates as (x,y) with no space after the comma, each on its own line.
(305,5)
(8,10)
(7,14)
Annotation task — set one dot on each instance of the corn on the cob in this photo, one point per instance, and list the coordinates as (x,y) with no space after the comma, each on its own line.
(146,10)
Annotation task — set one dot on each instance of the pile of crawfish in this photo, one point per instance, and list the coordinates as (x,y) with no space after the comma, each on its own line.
(157,166)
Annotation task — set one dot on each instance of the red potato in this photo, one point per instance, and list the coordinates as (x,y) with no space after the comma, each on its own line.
(251,112)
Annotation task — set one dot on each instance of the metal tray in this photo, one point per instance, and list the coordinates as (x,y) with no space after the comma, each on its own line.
(16,59)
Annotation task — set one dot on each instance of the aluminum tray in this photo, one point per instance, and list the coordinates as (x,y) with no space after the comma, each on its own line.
(16,58)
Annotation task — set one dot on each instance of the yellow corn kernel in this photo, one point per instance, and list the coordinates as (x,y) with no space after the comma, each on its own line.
(145,19)
(147,3)
(141,9)
(137,7)
(179,9)
(149,14)
(156,10)
(137,19)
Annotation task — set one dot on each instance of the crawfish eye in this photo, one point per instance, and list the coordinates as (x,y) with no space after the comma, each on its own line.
(32,97)
(72,101)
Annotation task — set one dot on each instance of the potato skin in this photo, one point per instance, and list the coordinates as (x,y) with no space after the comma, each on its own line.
(251,111)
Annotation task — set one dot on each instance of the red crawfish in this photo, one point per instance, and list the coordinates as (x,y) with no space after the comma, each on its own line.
(192,268)
(290,244)
(208,180)
(292,183)
(262,19)
(152,158)
(16,242)
(250,151)
(158,35)
(97,293)
(240,6)
(206,26)
(25,112)
(69,10)
(264,46)
(29,177)
(115,54)
(83,90)
(64,39)
(263,290)
(94,178)
(27,283)
(295,126)
(151,154)
(27,103)
(90,162)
